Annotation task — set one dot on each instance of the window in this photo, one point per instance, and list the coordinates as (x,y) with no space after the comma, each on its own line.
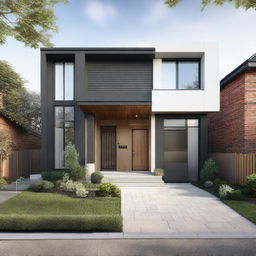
(64,81)
(64,133)
(183,75)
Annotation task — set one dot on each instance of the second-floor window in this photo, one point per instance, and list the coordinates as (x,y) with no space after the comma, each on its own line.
(64,81)
(183,75)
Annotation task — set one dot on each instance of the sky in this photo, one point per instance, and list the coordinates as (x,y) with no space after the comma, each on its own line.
(106,23)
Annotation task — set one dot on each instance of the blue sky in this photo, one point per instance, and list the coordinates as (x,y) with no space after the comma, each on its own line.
(85,23)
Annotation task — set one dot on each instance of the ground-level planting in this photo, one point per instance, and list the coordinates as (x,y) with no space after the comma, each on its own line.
(29,211)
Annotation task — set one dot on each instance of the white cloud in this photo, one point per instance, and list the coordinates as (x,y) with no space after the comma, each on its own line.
(155,13)
(100,12)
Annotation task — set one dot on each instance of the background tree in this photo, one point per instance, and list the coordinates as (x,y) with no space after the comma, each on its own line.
(20,105)
(28,21)
(5,147)
(246,4)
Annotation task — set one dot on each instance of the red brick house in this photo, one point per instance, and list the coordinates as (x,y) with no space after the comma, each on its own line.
(25,156)
(233,129)
(22,138)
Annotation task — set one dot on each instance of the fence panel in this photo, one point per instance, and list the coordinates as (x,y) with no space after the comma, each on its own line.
(245,164)
(21,163)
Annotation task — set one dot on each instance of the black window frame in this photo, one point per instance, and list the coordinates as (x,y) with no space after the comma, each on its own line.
(64,83)
(64,132)
(177,61)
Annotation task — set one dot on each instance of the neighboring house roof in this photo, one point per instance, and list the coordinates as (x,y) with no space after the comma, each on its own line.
(249,63)
(18,125)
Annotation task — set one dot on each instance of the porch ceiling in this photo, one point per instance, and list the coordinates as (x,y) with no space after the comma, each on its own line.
(118,112)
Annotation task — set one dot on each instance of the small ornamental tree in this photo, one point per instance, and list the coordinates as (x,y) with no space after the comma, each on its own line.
(5,147)
(76,171)
(209,170)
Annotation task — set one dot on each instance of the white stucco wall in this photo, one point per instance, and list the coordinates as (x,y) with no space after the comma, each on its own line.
(204,100)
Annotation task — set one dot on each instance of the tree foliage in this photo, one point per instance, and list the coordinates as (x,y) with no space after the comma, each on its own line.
(246,4)
(28,21)
(21,106)
(5,147)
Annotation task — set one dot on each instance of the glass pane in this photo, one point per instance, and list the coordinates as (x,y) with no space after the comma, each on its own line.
(69,81)
(59,148)
(168,75)
(175,146)
(69,136)
(193,138)
(192,122)
(188,75)
(174,123)
(59,81)
(69,114)
(59,117)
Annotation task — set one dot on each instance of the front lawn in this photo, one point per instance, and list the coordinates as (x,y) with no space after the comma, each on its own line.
(55,212)
(245,208)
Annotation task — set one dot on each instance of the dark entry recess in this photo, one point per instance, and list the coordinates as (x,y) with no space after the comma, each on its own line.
(108,147)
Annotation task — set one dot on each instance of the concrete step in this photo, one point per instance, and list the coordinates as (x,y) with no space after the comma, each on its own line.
(131,178)
(123,184)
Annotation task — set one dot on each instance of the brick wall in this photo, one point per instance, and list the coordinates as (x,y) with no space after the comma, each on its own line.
(250,112)
(21,139)
(233,129)
(226,128)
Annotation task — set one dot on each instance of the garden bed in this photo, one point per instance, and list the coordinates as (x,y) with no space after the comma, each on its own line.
(31,211)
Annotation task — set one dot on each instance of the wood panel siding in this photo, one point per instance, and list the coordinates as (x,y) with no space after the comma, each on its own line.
(21,163)
(120,76)
(119,112)
(108,147)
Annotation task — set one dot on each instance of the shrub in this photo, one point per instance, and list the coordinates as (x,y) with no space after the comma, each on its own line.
(53,175)
(3,183)
(96,177)
(224,191)
(90,185)
(71,186)
(76,171)
(5,147)
(41,186)
(236,194)
(81,191)
(109,189)
(251,183)
(218,182)
(159,172)
(209,170)
(110,223)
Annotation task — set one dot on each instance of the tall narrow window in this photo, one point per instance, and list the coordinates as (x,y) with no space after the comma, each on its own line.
(64,133)
(64,81)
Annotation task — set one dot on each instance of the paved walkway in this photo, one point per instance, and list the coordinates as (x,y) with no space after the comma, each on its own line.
(5,195)
(179,208)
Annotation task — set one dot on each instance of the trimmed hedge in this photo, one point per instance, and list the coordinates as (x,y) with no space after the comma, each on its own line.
(100,223)
(53,175)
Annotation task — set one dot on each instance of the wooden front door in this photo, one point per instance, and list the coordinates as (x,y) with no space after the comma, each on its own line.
(139,149)
(108,147)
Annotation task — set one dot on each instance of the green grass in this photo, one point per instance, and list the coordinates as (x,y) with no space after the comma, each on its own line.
(30,211)
(55,204)
(245,208)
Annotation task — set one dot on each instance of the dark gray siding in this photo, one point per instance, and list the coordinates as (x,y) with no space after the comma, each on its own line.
(119,75)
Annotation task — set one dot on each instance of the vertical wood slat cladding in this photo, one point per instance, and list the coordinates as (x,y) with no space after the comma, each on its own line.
(120,75)
(108,147)
(140,149)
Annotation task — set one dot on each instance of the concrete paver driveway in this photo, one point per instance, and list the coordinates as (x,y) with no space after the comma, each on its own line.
(178,208)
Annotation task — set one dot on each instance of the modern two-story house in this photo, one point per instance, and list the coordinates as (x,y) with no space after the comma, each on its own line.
(130,109)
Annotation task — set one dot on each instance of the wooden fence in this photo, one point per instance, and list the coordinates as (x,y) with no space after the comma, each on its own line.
(21,163)
(245,164)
